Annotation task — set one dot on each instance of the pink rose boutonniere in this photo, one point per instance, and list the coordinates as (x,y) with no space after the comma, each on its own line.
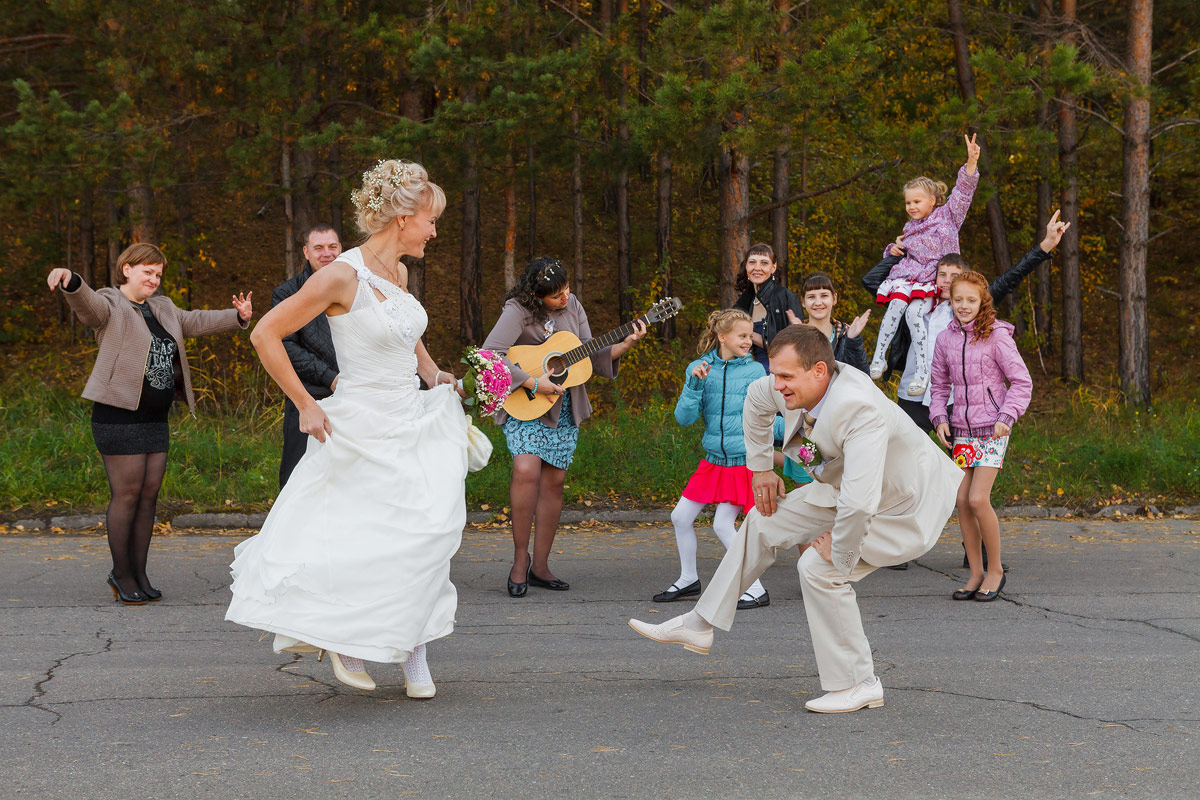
(808,455)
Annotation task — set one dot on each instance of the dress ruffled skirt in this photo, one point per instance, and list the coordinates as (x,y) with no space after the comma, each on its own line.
(355,554)
(714,484)
(905,289)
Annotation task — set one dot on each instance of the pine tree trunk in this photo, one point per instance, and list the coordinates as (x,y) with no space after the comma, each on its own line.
(290,269)
(510,227)
(577,206)
(1133,362)
(734,189)
(663,234)
(141,212)
(184,212)
(532,202)
(1068,249)
(966,87)
(780,189)
(470,325)
(624,235)
(118,233)
(334,163)
(412,104)
(87,239)
(1043,317)
(304,204)
(780,177)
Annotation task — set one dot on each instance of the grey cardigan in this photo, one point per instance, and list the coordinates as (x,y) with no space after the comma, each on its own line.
(516,326)
(124,340)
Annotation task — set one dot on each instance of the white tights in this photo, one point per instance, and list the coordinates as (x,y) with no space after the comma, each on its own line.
(683,517)
(416,670)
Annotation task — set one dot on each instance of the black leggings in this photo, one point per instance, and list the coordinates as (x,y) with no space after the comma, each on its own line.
(134,481)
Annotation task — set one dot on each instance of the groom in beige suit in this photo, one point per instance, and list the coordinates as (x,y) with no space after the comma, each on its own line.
(882,491)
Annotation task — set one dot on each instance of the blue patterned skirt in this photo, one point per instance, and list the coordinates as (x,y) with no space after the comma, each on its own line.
(555,446)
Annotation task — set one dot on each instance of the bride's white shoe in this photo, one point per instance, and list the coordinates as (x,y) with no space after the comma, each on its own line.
(418,682)
(286,644)
(348,670)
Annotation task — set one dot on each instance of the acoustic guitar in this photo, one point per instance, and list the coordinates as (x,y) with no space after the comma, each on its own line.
(567,361)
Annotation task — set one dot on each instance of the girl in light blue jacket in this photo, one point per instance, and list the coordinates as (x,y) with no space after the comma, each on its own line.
(715,390)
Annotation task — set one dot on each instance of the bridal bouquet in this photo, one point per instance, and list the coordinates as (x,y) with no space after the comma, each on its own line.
(487,382)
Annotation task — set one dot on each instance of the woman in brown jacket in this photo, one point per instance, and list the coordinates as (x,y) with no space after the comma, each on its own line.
(140,365)
(540,304)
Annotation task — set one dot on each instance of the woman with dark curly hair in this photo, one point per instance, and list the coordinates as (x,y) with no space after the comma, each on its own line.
(539,305)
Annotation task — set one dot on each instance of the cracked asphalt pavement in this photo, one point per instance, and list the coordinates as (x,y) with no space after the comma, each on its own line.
(1083,680)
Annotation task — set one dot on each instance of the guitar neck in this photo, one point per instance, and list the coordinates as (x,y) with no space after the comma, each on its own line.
(599,343)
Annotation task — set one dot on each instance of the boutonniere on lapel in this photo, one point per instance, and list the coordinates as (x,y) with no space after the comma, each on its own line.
(808,454)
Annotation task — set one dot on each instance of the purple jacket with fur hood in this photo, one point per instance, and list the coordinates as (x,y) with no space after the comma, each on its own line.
(978,371)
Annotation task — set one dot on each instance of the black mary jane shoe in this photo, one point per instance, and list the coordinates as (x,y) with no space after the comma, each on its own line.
(555,584)
(675,593)
(965,594)
(128,598)
(987,597)
(754,602)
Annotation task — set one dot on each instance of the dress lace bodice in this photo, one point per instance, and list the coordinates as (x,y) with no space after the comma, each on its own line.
(376,341)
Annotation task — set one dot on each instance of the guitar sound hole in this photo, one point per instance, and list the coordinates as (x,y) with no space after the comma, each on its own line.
(556,367)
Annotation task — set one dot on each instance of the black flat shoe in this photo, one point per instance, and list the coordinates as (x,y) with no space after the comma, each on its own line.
(987,597)
(674,593)
(516,589)
(965,594)
(131,599)
(754,602)
(555,584)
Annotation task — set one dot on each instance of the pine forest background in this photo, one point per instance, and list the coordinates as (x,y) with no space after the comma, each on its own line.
(646,144)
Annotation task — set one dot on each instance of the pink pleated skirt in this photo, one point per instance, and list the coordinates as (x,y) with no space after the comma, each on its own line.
(713,484)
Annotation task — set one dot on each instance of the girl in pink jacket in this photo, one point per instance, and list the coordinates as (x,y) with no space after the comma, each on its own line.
(977,358)
(930,233)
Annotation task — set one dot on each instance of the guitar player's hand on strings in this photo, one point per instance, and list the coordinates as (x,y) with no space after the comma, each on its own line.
(548,387)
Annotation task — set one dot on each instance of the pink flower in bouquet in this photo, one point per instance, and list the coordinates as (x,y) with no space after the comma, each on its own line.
(488,380)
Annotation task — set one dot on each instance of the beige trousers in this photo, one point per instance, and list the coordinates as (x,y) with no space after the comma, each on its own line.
(842,651)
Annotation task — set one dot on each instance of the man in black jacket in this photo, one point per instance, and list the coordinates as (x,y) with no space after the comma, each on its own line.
(310,348)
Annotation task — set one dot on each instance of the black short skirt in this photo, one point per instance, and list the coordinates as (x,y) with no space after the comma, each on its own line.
(131,439)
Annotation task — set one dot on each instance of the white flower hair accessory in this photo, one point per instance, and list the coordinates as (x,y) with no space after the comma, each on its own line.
(378,182)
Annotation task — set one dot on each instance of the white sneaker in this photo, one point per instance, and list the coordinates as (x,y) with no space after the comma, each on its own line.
(868,694)
(877,370)
(673,631)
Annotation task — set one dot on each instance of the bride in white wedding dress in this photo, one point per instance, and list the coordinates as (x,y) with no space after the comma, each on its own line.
(353,561)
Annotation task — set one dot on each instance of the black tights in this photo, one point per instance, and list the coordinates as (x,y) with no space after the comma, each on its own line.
(134,482)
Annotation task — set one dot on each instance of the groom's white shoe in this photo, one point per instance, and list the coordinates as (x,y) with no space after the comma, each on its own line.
(868,694)
(673,631)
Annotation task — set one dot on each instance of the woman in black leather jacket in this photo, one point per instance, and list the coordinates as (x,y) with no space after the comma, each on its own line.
(764,299)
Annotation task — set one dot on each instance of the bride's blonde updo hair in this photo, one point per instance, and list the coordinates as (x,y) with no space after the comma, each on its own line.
(395,188)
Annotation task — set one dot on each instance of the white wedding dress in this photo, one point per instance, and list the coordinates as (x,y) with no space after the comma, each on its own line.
(355,554)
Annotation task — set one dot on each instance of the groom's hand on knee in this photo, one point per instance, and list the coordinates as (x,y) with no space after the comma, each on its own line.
(768,488)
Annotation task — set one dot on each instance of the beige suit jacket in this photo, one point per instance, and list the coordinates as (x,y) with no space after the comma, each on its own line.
(124,340)
(893,488)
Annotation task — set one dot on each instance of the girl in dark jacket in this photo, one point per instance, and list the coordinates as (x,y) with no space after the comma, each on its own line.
(766,301)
